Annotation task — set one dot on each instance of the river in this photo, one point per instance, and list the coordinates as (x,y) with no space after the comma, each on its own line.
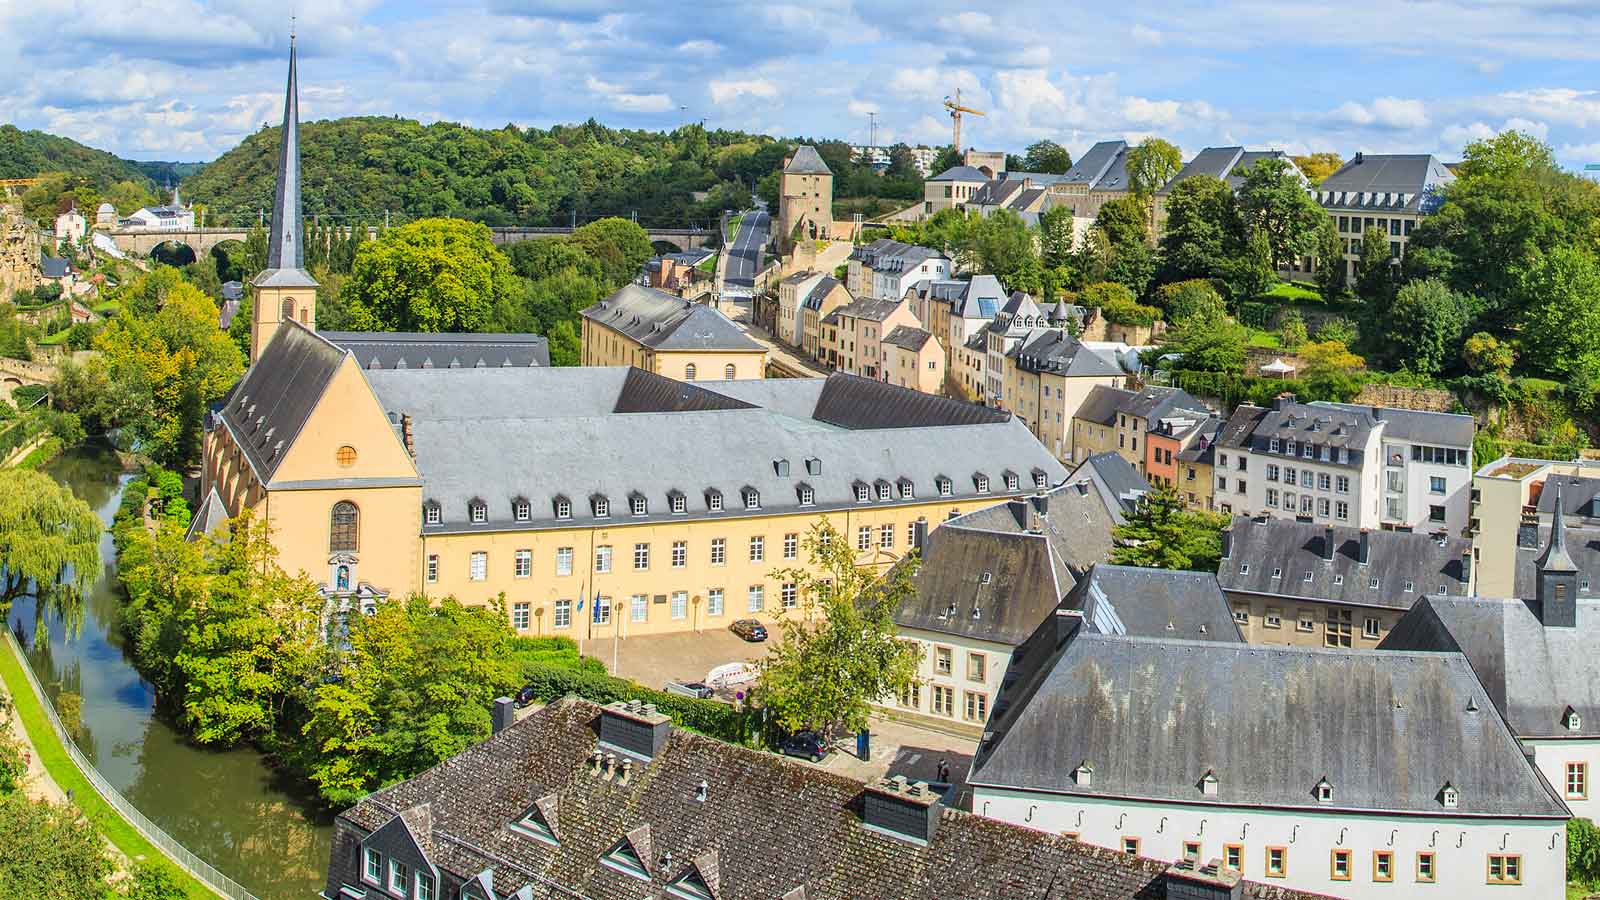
(227,807)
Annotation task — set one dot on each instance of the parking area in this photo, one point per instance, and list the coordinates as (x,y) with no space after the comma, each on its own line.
(902,749)
(656,659)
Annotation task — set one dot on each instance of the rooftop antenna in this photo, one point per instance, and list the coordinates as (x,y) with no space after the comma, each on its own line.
(872,129)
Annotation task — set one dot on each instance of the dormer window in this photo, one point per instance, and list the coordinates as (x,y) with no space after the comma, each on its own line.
(601,506)
(539,821)
(625,858)
(1323,791)
(1307,578)
(946,486)
(1338,580)
(637,505)
(1013,482)
(1209,785)
(1572,720)
(678,502)
(813,465)
(1289,447)
(863,493)
(1449,796)
(1411,586)
(1083,775)
(521,509)
(1308,451)
(1040,479)
(982,482)
(1244,568)
(752,498)
(884,491)
(478,511)
(563,508)
(807,495)
(906,490)
(431,513)
(714,500)
(1277,572)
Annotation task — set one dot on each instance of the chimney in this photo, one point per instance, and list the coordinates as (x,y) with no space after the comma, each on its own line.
(1187,880)
(1365,555)
(1358,157)
(1227,542)
(1377,413)
(1282,401)
(405,434)
(634,728)
(919,534)
(1327,545)
(505,713)
(1466,571)
(1041,504)
(1019,511)
(904,809)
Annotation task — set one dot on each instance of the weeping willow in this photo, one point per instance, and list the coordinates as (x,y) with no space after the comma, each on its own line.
(49,543)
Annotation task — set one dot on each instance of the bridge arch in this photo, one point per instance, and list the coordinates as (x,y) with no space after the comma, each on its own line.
(229,255)
(173,253)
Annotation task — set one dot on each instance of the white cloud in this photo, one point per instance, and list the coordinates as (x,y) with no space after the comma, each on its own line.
(1143,34)
(860,108)
(622,99)
(724,91)
(702,47)
(1384,112)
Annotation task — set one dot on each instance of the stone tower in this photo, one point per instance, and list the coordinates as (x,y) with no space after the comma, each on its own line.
(805,196)
(284,289)
(1557,586)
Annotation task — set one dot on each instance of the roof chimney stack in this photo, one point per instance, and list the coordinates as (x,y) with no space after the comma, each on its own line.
(904,809)
(1187,880)
(636,729)
(1227,542)
(505,713)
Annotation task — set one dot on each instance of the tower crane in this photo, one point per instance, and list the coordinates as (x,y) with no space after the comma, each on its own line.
(956,109)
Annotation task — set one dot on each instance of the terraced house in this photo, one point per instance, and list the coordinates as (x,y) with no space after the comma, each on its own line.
(661,333)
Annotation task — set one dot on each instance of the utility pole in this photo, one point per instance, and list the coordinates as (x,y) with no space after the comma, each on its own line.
(872,140)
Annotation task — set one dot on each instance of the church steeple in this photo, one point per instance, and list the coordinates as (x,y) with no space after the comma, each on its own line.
(285,290)
(1557,576)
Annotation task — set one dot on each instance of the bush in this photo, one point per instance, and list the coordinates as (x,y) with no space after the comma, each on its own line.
(1583,852)
(28,395)
(709,717)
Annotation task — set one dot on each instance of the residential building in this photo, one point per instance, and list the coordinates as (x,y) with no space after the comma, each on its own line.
(57,269)
(1197,467)
(792,292)
(852,335)
(1227,164)
(583,801)
(1014,323)
(1313,585)
(1340,464)
(1351,773)
(913,358)
(1100,175)
(954,311)
(886,269)
(1169,437)
(71,226)
(1390,192)
(657,332)
(1512,508)
(1535,656)
(805,196)
(986,581)
(678,273)
(1111,419)
(105,216)
(953,188)
(820,301)
(172,217)
(1048,377)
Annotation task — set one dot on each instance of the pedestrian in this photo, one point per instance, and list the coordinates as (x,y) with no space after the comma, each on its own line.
(944,771)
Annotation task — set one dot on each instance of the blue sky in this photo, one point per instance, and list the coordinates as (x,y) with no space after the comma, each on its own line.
(187,79)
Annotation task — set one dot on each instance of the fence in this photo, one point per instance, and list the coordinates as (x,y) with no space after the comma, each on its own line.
(199,868)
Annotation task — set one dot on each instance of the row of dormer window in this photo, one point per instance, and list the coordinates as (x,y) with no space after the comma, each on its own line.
(678,503)
(1308,450)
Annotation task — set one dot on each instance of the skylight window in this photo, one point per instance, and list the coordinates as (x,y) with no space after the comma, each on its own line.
(623,858)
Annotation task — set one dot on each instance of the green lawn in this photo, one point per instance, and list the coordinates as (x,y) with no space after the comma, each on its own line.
(106,308)
(1291,293)
(709,265)
(733,225)
(66,774)
(1259,338)
(59,337)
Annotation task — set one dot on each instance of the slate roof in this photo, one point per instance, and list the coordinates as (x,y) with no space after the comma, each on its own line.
(661,321)
(1532,673)
(1414,425)
(1295,549)
(500,433)
(874,309)
(1152,716)
(1221,163)
(819,292)
(907,337)
(1103,159)
(1253,428)
(269,406)
(960,173)
(226,313)
(211,515)
(233,290)
(1203,448)
(1362,183)
(1156,402)
(1119,477)
(1154,603)
(806,161)
(1102,403)
(55,266)
(409,350)
(741,838)
(1053,351)
(285,250)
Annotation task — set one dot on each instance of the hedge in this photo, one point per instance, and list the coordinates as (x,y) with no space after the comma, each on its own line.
(709,717)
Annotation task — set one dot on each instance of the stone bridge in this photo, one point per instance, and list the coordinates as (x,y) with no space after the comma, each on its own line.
(202,240)
(15,373)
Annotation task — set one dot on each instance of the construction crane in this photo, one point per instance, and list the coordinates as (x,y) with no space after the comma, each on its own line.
(956,109)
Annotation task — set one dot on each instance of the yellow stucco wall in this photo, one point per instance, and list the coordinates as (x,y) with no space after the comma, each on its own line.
(266,314)
(605,346)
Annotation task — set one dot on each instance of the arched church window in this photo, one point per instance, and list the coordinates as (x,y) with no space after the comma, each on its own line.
(688,372)
(343,527)
(288,310)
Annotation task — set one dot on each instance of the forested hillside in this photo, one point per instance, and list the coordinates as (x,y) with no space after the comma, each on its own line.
(25,154)
(365,166)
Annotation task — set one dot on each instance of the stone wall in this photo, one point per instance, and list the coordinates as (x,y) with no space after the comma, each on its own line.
(19,253)
(1424,399)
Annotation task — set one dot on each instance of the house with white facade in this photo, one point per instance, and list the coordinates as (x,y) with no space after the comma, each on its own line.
(1536,656)
(172,217)
(71,226)
(1352,773)
(1341,464)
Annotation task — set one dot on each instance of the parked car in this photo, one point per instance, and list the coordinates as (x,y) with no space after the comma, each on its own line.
(749,629)
(804,744)
(697,689)
(525,697)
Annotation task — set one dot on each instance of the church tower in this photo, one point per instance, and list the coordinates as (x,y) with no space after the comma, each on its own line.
(284,289)
(1557,586)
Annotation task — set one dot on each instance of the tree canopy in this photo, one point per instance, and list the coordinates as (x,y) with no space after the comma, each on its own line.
(49,540)
(1161,533)
(1152,164)
(430,275)
(1047,156)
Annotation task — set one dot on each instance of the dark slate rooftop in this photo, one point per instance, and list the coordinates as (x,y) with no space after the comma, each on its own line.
(819,292)
(1118,476)
(270,405)
(1155,402)
(960,173)
(1203,448)
(1153,716)
(1053,351)
(907,337)
(1416,426)
(851,401)
(55,266)
(741,839)
(1154,603)
(1102,404)
(662,321)
(1256,548)
(1365,181)
(874,309)
(1094,165)
(806,161)
(409,350)
(1533,674)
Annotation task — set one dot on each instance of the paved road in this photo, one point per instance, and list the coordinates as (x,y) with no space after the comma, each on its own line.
(744,253)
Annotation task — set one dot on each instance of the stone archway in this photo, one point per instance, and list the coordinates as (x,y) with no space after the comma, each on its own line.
(173,253)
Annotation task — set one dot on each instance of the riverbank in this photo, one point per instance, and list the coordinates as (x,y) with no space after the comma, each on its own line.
(69,779)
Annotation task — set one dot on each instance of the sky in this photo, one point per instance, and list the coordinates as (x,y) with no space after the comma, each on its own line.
(188,79)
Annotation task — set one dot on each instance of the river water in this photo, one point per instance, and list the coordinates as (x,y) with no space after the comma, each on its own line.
(227,807)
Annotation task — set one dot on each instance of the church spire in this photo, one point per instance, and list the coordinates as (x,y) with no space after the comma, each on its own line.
(1555,557)
(283,245)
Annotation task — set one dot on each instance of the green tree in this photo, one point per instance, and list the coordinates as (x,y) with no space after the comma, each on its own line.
(1336,328)
(414,689)
(1330,263)
(1330,371)
(1561,323)
(52,852)
(1055,237)
(1292,330)
(154,881)
(1273,199)
(1208,342)
(1424,326)
(1161,534)
(1486,354)
(163,368)
(1252,272)
(1318,166)
(1375,269)
(838,651)
(1183,300)
(429,275)
(1047,156)
(620,247)
(1003,245)
(1152,164)
(1203,232)
(49,540)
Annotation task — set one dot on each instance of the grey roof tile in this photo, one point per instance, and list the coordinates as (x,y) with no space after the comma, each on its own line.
(806,161)
(437,350)
(662,321)
(272,402)
(1154,603)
